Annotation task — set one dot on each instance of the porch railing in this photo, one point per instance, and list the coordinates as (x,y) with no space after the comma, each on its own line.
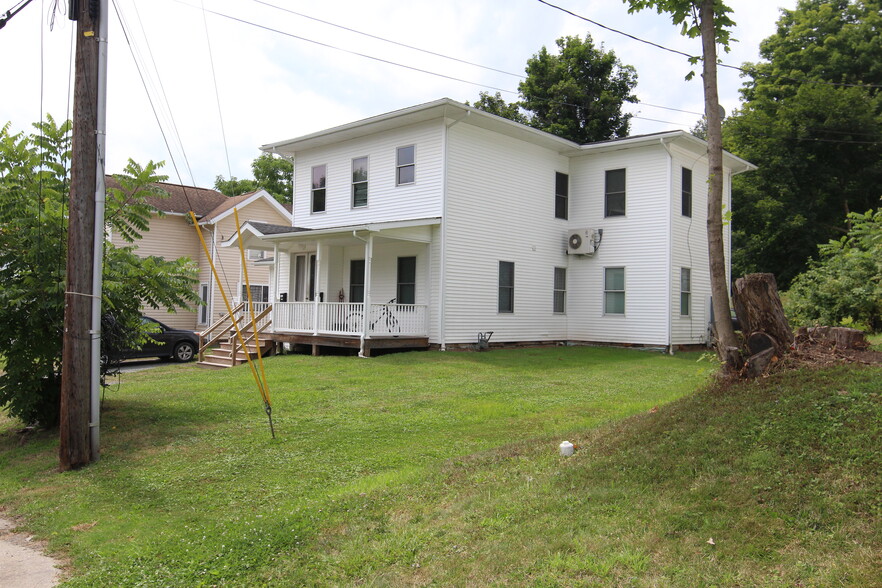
(348,318)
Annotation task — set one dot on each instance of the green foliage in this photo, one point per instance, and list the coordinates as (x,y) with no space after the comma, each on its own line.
(818,144)
(497,105)
(684,14)
(273,174)
(34,186)
(843,288)
(578,93)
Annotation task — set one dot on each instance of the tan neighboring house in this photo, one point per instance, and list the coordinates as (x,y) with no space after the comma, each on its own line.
(171,236)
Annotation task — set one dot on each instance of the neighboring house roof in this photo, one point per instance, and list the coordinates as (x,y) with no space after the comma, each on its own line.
(209,205)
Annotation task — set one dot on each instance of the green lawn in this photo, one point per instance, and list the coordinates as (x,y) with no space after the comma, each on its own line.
(443,468)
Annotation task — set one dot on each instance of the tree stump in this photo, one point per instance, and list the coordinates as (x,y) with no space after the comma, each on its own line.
(759,310)
(839,337)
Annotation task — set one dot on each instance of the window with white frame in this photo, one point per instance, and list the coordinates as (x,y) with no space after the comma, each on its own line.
(319,184)
(560,290)
(258,293)
(614,193)
(405,292)
(405,165)
(506,286)
(359,182)
(685,291)
(614,290)
(255,254)
(686,192)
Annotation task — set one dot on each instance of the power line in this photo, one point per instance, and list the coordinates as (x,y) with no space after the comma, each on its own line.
(12,12)
(329,46)
(390,41)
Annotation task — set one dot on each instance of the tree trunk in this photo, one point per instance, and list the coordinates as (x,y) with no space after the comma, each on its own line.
(727,343)
(761,314)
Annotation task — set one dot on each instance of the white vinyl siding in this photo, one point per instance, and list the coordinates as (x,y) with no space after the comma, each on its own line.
(495,212)
(386,201)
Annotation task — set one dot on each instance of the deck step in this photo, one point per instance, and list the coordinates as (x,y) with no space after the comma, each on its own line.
(209,365)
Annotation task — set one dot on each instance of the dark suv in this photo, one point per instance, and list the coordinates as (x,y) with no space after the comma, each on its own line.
(164,341)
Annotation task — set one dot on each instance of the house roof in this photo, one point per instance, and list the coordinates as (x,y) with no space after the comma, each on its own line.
(458,112)
(209,205)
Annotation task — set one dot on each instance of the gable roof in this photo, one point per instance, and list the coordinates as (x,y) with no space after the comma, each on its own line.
(209,205)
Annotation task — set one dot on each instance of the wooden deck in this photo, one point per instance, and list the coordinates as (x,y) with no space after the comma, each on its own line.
(348,342)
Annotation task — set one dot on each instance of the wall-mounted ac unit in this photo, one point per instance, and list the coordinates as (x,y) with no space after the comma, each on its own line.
(582,242)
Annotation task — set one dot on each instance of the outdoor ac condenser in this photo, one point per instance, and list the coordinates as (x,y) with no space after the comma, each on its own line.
(582,242)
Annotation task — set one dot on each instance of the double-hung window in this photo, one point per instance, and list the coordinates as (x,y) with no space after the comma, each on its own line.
(359,181)
(685,291)
(560,290)
(406,291)
(614,290)
(258,293)
(506,286)
(686,192)
(614,192)
(319,181)
(561,195)
(405,165)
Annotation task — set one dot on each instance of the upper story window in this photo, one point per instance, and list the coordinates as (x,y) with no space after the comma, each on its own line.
(405,165)
(561,195)
(319,182)
(506,286)
(255,254)
(614,204)
(360,181)
(686,192)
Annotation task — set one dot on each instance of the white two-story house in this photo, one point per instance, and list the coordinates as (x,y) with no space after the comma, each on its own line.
(433,224)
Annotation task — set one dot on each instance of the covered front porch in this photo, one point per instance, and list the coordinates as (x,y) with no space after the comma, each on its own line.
(364,287)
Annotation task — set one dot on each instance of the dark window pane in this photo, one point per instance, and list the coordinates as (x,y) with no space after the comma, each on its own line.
(615,193)
(356,280)
(687,192)
(560,278)
(360,194)
(318,200)
(615,180)
(406,174)
(406,280)
(506,286)
(561,195)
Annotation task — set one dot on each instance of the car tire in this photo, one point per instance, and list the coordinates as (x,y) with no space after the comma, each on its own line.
(184,351)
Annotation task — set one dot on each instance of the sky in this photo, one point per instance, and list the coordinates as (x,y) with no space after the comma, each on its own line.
(224,77)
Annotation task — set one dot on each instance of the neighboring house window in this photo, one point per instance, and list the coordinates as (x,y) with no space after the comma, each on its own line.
(406,292)
(560,290)
(506,286)
(685,290)
(256,254)
(405,172)
(614,290)
(561,195)
(356,280)
(203,308)
(686,192)
(360,181)
(258,293)
(615,193)
(319,182)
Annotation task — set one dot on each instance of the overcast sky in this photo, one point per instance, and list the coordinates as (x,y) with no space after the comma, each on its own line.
(271,84)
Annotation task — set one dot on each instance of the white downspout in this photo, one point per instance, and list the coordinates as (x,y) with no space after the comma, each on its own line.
(670,254)
(442,286)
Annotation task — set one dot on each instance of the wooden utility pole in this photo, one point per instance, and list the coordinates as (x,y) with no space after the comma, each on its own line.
(76,371)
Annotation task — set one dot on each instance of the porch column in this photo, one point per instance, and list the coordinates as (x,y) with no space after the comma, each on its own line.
(277,268)
(365,324)
(315,287)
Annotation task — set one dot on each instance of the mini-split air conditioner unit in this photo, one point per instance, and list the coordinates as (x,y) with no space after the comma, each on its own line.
(583,241)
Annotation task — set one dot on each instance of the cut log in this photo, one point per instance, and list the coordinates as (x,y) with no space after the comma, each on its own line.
(759,310)
(840,337)
(758,363)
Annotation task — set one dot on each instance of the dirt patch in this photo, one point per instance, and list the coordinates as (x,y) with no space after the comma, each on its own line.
(814,351)
(22,562)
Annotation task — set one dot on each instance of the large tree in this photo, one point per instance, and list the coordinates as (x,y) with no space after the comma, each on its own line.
(273,174)
(576,93)
(709,21)
(812,121)
(34,187)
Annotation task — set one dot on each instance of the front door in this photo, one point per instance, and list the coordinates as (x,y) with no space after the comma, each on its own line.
(304,277)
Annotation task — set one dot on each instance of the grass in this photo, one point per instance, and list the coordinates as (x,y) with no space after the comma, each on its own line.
(442,468)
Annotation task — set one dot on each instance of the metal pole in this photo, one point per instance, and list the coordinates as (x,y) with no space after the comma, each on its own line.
(98,258)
